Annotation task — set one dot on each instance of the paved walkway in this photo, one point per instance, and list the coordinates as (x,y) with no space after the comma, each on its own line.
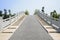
(51,31)
(8,31)
(30,29)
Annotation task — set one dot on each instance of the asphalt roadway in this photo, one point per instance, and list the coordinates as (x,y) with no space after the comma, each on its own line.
(30,29)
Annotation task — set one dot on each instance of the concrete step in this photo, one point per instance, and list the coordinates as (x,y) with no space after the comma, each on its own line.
(55,36)
(51,30)
(12,27)
(18,21)
(48,27)
(5,36)
(8,31)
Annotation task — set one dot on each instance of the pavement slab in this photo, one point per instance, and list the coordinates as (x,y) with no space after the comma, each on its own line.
(30,29)
(52,32)
(5,36)
(12,27)
(8,31)
(55,36)
(18,21)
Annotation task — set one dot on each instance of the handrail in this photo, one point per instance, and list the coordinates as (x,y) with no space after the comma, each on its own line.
(49,20)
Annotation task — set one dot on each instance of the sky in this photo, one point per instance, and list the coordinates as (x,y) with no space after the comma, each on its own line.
(30,5)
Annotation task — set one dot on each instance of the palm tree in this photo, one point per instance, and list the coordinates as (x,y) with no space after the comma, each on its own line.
(54,11)
(5,14)
(9,12)
(55,14)
(0,13)
(42,9)
(5,11)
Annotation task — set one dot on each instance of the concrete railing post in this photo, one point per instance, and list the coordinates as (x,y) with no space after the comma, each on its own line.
(51,19)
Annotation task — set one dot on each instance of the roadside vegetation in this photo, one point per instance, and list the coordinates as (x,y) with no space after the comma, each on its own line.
(5,15)
(42,9)
(36,11)
(26,12)
(55,15)
(1,13)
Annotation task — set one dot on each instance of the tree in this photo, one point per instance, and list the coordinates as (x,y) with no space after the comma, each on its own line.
(0,13)
(9,12)
(26,12)
(5,14)
(54,11)
(36,11)
(42,9)
(54,14)
(51,14)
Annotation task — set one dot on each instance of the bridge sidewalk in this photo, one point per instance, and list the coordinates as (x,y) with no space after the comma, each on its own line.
(6,33)
(52,32)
